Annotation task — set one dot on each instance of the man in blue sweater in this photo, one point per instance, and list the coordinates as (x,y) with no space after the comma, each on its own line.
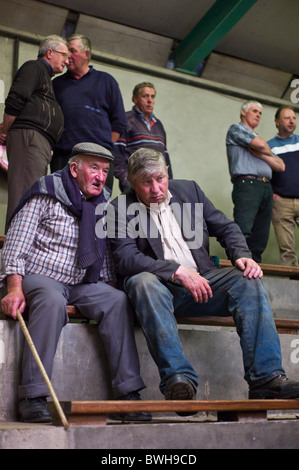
(285,185)
(91,103)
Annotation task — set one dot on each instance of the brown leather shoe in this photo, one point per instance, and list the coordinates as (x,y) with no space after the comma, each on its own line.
(179,387)
(279,387)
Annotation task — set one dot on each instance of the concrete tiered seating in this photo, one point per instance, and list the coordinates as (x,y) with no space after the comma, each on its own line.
(81,375)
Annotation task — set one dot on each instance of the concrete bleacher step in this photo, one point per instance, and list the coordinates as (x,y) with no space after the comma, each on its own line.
(81,374)
(172,434)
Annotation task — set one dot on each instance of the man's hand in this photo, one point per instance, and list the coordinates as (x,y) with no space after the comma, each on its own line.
(259,148)
(250,268)
(197,285)
(8,121)
(15,299)
(2,138)
(114,136)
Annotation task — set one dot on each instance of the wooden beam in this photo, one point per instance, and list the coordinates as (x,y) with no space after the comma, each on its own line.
(270,269)
(283,325)
(96,412)
(208,32)
(122,406)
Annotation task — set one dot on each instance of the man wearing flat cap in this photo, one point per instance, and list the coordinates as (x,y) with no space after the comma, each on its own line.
(52,258)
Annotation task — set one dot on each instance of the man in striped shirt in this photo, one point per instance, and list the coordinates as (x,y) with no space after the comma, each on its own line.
(285,213)
(143,130)
(52,258)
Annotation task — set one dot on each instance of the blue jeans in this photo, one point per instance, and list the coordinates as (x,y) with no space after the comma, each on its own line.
(156,303)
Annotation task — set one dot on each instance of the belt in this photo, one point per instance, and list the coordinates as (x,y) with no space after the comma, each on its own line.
(258,178)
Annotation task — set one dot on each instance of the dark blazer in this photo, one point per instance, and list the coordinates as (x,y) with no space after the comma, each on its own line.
(143,253)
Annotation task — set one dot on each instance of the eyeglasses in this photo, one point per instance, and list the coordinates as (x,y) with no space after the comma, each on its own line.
(64,54)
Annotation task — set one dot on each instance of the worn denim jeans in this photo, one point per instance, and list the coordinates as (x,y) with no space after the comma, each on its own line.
(156,303)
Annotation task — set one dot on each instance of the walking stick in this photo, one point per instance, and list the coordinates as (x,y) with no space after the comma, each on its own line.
(42,370)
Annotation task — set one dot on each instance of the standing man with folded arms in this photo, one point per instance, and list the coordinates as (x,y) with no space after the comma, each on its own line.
(251,162)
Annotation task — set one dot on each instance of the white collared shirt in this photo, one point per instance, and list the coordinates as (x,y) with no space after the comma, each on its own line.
(174,246)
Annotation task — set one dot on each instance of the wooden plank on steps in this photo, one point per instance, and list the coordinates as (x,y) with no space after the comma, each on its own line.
(123,406)
(283,325)
(96,412)
(271,269)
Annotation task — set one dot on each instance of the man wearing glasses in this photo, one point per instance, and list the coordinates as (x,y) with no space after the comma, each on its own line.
(33,120)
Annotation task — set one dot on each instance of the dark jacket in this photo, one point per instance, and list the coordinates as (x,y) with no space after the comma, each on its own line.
(144,253)
(31,98)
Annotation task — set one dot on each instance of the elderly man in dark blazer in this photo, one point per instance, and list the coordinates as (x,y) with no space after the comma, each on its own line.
(160,242)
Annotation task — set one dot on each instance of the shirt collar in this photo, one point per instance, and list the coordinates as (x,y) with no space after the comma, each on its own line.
(158,207)
(283,138)
(49,67)
(140,113)
(69,75)
(247,127)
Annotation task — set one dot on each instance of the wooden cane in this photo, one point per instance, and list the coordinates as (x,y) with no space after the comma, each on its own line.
(42,370)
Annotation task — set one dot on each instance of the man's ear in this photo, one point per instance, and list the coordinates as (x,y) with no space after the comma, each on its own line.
(74,169)
(49,54)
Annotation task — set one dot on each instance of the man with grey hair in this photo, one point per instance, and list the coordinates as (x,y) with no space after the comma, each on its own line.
(144,130)
(251,162)
(52,258)
(33,120)
(91,102)
(166,270)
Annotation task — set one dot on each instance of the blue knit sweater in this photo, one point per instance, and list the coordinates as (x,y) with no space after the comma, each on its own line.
(286,184)
(92,108)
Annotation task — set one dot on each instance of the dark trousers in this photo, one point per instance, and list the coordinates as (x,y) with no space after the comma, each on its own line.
(29,154)
(108,307)
(253,202)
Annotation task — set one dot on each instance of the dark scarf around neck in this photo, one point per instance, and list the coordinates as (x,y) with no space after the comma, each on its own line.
(62,186)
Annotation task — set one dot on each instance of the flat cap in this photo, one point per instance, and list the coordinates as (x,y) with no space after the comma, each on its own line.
(89,148)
